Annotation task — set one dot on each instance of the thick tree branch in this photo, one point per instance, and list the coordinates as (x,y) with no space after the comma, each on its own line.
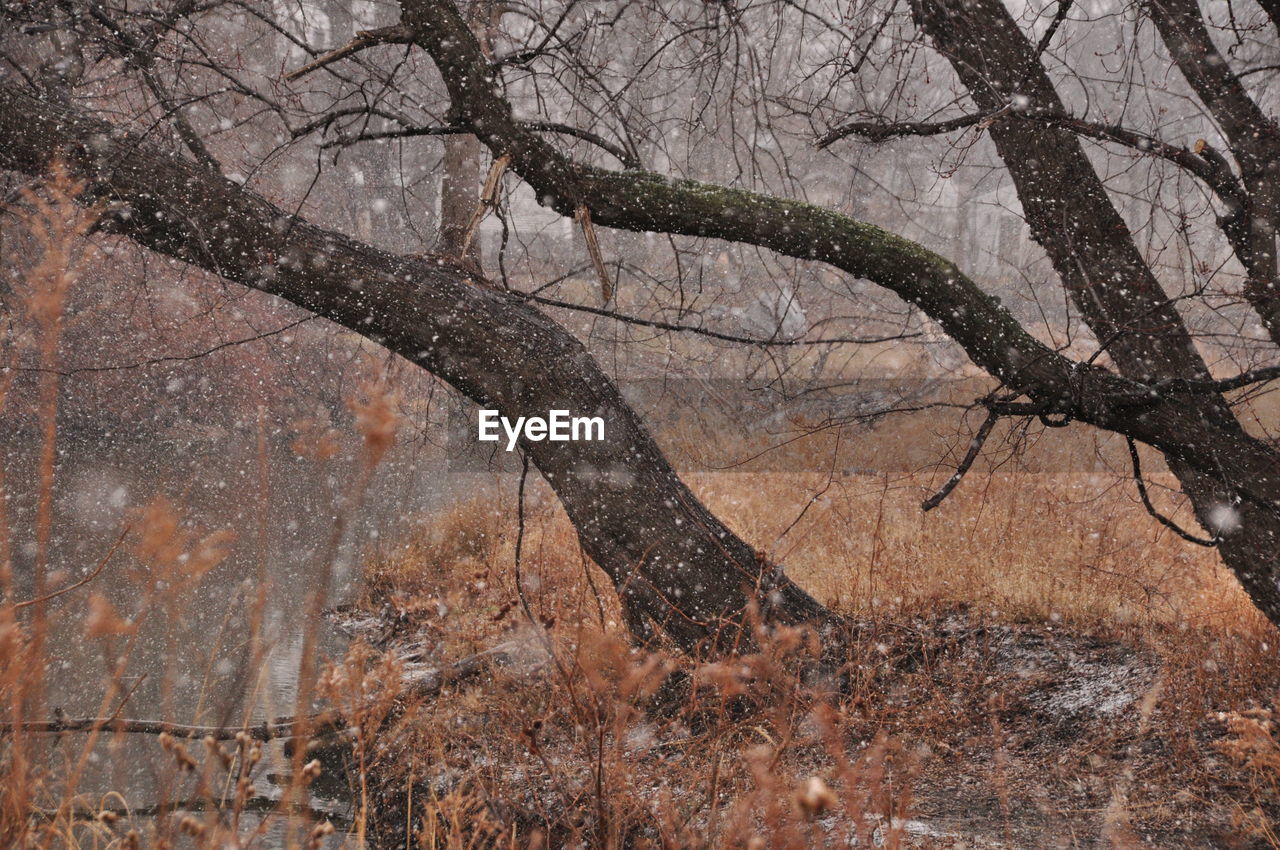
(879,131)
(644,201)
(1253,222)
(669,557)
(1071,214)
(1209,74)
(992,337)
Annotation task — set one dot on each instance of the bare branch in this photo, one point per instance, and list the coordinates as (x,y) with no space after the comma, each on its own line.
(176,358)
(878,131)
(1159,517)
(975,447)
(1216,173)
(627,159)
(82,582)
(364,39)
(711,334)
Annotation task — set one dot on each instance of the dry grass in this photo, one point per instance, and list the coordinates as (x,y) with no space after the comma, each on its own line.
(209,778)
(581,754)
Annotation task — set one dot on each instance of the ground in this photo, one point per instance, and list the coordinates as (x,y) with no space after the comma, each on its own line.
(946,728)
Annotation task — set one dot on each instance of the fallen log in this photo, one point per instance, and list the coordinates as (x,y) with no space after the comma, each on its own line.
(419,684)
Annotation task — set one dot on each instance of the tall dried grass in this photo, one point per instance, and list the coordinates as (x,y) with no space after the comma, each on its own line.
(753,753)
(210,779)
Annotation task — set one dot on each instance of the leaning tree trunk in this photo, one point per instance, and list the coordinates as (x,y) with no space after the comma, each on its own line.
(1090,246)
(677,568)
(1252,218)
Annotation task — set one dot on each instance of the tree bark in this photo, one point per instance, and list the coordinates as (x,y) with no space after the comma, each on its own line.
(1090,246)
(461,173)
(459,193)
(677,568)
(1254,142)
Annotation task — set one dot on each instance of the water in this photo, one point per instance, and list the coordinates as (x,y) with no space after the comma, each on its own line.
(190,664)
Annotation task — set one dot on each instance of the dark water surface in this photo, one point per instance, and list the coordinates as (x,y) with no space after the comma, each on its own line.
(190,662)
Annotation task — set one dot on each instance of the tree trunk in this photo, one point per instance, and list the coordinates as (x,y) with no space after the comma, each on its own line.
(459,193)
(1072,217)
(678,570)
(461,174)
(1253,139)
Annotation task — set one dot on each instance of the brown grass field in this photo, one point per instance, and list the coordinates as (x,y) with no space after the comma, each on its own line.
(957,744)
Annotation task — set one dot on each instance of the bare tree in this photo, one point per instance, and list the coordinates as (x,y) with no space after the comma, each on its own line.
(675,565)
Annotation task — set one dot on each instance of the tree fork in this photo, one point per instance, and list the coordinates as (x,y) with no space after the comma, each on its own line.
(1219,464)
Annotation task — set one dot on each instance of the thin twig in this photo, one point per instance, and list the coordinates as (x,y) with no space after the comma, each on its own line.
(700,331)
(627,158)
(395,34)
(82,582)
(174,358)
(975,446)
(1151,509)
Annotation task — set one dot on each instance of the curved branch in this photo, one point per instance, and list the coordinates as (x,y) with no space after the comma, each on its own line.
(364,39)
(975,448)
(1136,461)
(617,151)
(172,358)
(988,332)
(102,563)
(1214,172)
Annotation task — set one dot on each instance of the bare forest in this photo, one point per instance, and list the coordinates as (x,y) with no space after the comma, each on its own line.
(639,424)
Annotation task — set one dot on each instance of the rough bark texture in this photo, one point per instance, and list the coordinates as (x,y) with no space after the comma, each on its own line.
(673,561)
(675,565)
(459,193)
(1072,217)
(1272,8)
(1254,142)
